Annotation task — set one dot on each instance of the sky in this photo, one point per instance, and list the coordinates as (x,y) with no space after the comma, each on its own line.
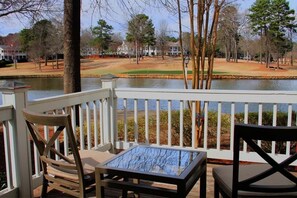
(117,18)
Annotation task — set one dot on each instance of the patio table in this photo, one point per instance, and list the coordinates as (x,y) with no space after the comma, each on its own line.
(178,167)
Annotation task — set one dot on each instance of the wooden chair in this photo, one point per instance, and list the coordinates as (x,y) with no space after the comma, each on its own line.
(73,174)
(257,180)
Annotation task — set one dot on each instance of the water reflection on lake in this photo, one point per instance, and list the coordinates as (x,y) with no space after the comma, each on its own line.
(46,87)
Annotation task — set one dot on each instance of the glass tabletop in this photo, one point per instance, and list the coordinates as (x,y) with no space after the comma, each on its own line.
(154,160)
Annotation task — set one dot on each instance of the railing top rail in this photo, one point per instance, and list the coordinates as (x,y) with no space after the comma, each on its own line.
(6,112)
(256,96)
(56,102)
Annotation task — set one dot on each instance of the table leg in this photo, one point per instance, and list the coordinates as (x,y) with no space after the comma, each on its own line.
(203,184)
(99,188)
(136,181)
(124,191)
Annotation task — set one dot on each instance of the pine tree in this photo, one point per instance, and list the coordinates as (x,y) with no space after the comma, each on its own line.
(103,33)
(260,19)
(140,31)
(272,19)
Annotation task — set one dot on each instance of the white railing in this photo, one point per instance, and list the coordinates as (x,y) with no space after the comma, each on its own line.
(223,102)
(6,116)
(90,110)
(100,111)
(89,105)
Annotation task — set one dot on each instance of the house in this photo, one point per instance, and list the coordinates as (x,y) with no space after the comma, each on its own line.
(88,51)
(125,49)
(172,50)
(10,53)
(151,51)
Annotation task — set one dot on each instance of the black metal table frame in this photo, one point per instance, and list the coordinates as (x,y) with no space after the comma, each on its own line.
(184,182)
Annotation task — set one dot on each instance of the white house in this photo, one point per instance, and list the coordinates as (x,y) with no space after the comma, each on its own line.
(151,51)
(10,53)
(89,51)
(173,49)
(125,49)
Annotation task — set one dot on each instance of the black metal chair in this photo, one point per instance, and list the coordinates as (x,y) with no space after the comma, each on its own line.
(272,179)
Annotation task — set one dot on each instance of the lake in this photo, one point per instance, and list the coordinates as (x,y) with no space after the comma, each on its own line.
(45,87)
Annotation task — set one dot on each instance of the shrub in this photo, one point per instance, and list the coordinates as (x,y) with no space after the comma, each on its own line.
(4,63)
(187,127)
(267,118)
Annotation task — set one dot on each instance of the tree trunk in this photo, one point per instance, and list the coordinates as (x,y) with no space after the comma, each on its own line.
(261,46)
(235,51)
(72,81)
(136,56)
(195,68)
(181,44)
(291,54)
(226,53)
(45,60)
(15,62)
(267,50)
(291,58)
(213,43)
(39,65)
(57,61)
(248,56)
(206,10)
(278,60)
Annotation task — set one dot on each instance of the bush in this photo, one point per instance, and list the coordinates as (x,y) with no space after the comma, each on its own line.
(187,128)
(4,63)
(267,118)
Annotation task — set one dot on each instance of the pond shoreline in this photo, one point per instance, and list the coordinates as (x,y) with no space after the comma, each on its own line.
(154,76)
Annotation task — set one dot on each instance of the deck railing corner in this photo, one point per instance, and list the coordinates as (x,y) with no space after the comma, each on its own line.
(15,94)
(110,110)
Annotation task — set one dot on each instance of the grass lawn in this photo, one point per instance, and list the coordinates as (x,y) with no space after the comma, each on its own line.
(149,66)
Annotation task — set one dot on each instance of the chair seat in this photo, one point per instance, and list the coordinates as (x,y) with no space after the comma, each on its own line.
(223,177)
(89,159)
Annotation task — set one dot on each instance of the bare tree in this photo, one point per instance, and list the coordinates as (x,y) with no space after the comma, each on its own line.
(203,46)
(162,37)
(247,39)
(203,20)
(30,9)
(13,43)
(41,41)
(186,36)
(86,41)
(57,34)
(228,31)
(116,41)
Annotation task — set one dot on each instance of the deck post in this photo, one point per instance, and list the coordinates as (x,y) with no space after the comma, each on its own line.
(15,94)
(110,110)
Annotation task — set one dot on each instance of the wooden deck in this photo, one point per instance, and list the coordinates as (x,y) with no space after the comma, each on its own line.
(113,193)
